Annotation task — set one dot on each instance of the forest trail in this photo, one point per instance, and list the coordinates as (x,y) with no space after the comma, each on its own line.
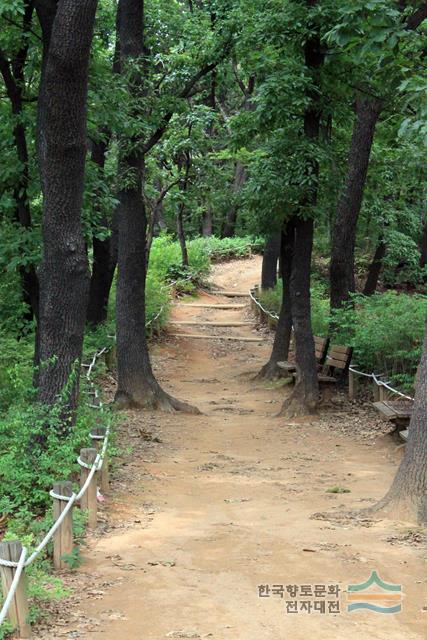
(224,503)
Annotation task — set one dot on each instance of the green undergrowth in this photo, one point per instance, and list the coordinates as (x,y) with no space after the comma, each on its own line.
(28,471)
(385,330)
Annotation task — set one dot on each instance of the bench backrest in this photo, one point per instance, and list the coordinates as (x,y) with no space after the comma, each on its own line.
(321,348)
(339,357)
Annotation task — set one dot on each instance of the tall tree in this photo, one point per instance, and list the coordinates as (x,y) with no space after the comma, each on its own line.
(269,261)
(137,385)
(343,241)
(64,274)
(305,396)
(104,253)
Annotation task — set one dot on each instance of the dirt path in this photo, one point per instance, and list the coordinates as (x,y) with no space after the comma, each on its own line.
(225,502)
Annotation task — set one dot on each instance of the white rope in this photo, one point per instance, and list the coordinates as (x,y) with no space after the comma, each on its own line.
(19,567)
(92,472)
(258,303)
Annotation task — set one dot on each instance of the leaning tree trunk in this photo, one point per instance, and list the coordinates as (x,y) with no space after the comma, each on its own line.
(305,396)
(282,337)
(344,231)
(407,497)
(104,256)
(375,269)
(269,261)
(64,271)
(137,385)
(231,218)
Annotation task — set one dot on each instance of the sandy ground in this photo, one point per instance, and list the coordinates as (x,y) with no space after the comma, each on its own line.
(203,509)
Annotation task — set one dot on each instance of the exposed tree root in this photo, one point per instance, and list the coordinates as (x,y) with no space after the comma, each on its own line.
(411,509)
(296,406)
(270,371)
(154,399)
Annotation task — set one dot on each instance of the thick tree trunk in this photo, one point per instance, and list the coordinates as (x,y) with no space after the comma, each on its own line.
(375,269)
(344,231)
(64,271)
(231,219)
(407,498)
(137,386)
(269,261)
(305,396)
(104,256)
(103,268)
(282,338)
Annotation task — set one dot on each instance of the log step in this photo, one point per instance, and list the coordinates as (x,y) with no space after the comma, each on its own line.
(192,323)
(202,336)
(211,306)
(230,294)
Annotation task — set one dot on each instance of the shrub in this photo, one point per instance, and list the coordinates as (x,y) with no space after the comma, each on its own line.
(385,330)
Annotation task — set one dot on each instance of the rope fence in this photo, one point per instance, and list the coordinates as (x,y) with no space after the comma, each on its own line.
(93,462)
(381,387)
(13,555)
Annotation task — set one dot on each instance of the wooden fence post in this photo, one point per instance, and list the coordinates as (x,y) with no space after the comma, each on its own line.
(63,537)
(376,392)
(89,498)
(382,393)
(18,610)
(98,436)
(352,385)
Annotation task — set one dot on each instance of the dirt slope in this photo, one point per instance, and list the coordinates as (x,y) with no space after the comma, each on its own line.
(225,502)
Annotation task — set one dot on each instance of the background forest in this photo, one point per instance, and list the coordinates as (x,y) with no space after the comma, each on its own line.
(210,127)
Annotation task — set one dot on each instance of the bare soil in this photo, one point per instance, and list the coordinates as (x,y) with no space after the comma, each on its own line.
(203,509)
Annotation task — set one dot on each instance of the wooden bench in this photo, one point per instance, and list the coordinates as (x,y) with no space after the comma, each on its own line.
(337,362)
(320,348)
(334,369)
(397,411)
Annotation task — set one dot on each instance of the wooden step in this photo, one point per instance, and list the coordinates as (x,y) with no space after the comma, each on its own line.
(181,323)
(201,336)
(230,294)
(211,306)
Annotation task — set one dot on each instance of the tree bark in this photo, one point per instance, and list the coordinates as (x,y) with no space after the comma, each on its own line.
(104,256)
(282,338)
(269,261)
(64,271)
(375,269)
(344,231)
(305,396)
(137,386)
(407,497)
(231,219)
